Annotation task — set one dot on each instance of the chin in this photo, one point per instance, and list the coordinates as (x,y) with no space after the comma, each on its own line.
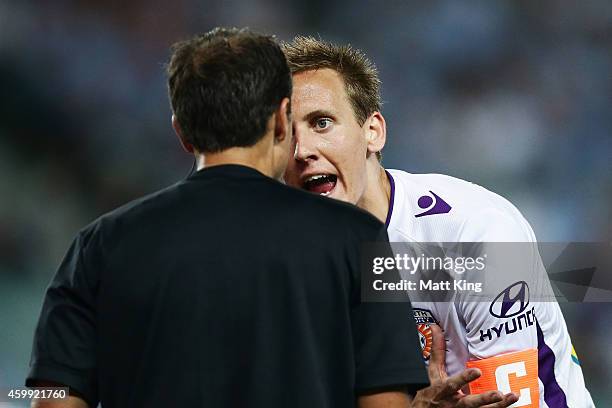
(341,197)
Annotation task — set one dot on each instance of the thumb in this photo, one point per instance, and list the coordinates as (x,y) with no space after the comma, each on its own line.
(437,362)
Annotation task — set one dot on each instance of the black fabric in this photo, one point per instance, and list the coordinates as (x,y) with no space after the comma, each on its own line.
(227,289)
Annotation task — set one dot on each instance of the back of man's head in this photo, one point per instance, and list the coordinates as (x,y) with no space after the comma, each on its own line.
(224,85)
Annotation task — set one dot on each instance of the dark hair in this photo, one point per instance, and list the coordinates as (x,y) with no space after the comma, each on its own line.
(224,85)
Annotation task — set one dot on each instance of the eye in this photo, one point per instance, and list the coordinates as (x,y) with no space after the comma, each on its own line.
(322,123)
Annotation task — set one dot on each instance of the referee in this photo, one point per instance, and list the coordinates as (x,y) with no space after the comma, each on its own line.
(227,289)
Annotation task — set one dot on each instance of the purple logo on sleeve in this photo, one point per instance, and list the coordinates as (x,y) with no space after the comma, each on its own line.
(439,205)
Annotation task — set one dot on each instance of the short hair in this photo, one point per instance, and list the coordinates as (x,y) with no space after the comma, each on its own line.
(359,74)
(224,85)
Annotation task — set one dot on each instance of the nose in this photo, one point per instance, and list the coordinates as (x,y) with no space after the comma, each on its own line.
(305,145)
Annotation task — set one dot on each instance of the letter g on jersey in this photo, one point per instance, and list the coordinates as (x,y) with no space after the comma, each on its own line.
(511,301)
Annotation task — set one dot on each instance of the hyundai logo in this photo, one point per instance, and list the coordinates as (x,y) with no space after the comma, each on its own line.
(512,301)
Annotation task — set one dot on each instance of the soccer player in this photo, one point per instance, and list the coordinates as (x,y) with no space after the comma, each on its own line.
(229,288)
(339,133)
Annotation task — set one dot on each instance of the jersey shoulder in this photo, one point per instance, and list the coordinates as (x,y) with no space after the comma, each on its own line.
(442,208)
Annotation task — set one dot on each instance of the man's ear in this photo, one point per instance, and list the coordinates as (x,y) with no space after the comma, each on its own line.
(376,132)
(188,147)
(282,121)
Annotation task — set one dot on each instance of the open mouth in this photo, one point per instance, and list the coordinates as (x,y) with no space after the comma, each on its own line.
(321,184)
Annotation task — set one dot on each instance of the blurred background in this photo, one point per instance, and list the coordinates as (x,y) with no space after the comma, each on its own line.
(513,95)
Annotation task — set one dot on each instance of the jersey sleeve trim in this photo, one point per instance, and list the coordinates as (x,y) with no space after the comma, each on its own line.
(553,393)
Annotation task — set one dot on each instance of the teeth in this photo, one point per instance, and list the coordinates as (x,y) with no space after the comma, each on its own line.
(315,177)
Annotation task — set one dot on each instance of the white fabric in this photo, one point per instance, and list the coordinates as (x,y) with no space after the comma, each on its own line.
(478,215)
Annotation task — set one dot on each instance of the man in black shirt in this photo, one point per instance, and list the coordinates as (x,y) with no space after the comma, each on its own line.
(227,289)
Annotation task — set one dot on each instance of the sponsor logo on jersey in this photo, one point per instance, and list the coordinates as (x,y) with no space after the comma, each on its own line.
(511,301)
(511,304)
(424,319)
(434,205)
(513,325)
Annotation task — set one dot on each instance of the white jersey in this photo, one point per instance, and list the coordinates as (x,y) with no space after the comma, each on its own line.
(439,208)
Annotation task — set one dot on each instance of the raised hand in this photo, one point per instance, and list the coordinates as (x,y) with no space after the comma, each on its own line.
(445,391)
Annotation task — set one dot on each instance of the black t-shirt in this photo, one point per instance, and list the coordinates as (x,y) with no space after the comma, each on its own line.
(227,289)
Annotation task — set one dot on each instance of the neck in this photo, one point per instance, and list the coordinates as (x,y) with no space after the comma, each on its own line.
(258,157)
(378,192)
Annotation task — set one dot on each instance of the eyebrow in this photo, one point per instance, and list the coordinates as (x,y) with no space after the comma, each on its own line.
(319,113)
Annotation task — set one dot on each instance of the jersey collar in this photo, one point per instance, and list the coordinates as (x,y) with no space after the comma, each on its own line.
(391,199)
(227,170)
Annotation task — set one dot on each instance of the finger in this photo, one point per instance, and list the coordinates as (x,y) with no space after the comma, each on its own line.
(506,401)
(437,362)
(457,381)
(453,384)
(480,400)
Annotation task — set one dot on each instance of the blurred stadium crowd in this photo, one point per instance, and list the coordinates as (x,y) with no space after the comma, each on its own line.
(513,95)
